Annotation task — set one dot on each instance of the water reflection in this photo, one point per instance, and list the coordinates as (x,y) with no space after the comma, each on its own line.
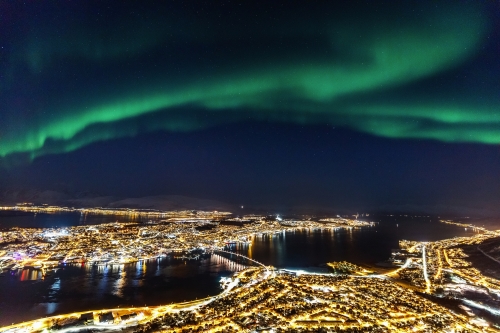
(28,274)
(120,282)
(45,309)
(56,285)
(103,280)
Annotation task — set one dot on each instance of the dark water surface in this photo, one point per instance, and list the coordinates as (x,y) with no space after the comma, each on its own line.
(362,245)
(9,219)
(24,295)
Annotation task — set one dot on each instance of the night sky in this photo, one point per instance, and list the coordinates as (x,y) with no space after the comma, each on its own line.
(353,105)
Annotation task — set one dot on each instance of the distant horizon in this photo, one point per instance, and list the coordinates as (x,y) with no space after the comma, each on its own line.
(180,202)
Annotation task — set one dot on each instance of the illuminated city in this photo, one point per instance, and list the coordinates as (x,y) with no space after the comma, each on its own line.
(259,297)
(121,243)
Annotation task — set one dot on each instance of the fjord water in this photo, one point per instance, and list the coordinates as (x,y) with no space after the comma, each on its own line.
(9,219)
(25,295)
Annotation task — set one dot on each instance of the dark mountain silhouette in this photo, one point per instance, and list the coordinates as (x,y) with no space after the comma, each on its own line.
(88,199)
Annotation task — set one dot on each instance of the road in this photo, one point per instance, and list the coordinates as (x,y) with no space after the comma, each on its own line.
(426,277)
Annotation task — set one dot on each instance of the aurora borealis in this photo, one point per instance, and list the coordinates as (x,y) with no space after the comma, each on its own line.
(78,76)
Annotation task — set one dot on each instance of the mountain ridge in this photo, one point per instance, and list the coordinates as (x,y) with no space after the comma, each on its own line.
(87,199)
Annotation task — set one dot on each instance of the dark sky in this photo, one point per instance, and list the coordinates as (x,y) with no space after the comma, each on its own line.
(326,104)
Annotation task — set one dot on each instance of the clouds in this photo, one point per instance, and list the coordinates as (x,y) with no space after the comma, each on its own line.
(78,80)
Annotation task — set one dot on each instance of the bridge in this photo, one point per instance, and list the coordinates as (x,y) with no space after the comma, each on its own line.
(249,259)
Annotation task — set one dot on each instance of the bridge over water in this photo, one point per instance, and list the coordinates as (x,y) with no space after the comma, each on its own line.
(245,257)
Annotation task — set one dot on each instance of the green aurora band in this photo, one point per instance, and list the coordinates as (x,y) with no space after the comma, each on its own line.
(318,88)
